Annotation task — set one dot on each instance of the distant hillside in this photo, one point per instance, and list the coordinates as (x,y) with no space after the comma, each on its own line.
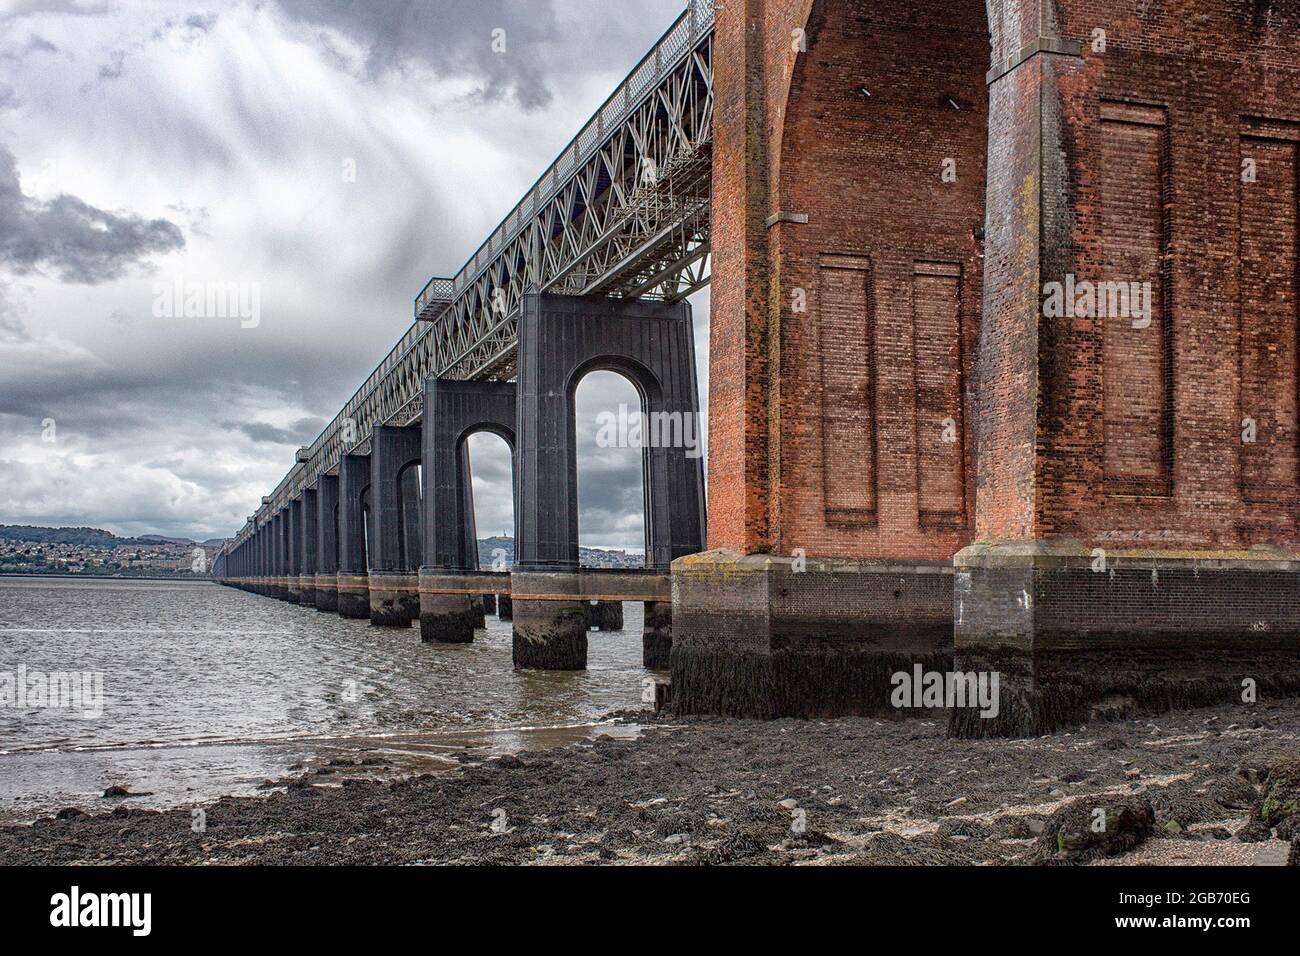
(92,537)
(88,537)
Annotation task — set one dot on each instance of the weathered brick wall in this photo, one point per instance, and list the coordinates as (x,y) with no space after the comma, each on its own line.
(842,346)
(753,59)
(883,150)
(1122,164)
(1140,429)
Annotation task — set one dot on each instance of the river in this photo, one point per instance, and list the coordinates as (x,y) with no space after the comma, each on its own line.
(208,691)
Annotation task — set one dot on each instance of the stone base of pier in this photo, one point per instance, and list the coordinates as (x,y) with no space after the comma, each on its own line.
(657,634)
(605,615)
(768,636)
(307,590)
(451,603)
(280,588)
(505,607)
(1076,635)
(489,604)
(550,620)
(327,593)
(354,596)
(394,598)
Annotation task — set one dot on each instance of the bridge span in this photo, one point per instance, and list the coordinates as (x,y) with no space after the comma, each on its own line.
(924,451)
(622,211)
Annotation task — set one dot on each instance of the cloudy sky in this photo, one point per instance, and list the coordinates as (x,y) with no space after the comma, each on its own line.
(150,142)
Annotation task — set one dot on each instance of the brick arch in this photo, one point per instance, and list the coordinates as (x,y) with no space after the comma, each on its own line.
(874,244)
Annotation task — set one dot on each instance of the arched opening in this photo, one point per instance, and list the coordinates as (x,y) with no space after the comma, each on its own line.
(410,497)
(489,462)
(365,526)
(338,551)
(611,438)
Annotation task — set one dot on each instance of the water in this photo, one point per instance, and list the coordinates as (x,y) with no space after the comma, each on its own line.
(208,690)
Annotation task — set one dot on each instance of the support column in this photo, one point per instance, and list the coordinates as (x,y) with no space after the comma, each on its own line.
(605,615)
(1134,550)
(505,607)
(394,587)
(843,320)
(560,339)
(307,563)
(452,411)
(353,579)
(264,563)
(281,546)
(293,565)
(489,604)
(327,543)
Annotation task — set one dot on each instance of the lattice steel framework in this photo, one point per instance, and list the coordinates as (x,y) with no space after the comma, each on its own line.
(623,211)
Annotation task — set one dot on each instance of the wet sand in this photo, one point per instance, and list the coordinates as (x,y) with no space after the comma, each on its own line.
(722,791)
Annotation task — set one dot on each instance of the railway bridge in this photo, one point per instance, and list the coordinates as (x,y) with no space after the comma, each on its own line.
(1003,367)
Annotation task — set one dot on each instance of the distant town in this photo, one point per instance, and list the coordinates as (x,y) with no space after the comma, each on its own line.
(28,549)
(501,550)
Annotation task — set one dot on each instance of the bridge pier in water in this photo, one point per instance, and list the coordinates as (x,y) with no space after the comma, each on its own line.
(454,410)
(280,583)
(561,339)
(327,544)
(353,580)
(293,545)
(307,549)
(393,578)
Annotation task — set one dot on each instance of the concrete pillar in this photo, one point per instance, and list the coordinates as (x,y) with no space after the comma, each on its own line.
(307,563)
(550,620)
(657,634)
(452,411)
(559,338)
(505,607)
(489,604)
(353,580)
(293,545)
(264,559)
(327,543)
(394,587)
(281,555)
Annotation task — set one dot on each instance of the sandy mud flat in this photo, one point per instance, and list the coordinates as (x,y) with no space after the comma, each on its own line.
(1219,785)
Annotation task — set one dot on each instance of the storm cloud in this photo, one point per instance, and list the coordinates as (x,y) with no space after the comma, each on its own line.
(79,242)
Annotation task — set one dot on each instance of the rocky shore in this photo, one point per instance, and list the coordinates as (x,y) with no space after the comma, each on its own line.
(1218,785)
